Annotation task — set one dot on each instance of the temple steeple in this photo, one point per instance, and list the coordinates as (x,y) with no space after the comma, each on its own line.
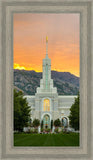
(46,46)
(46,83)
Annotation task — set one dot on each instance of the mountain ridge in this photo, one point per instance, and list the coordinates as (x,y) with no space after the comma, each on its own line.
(28,81)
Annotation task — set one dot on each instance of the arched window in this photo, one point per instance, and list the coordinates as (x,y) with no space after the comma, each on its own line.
(64,122)
(46,105)
(46,121)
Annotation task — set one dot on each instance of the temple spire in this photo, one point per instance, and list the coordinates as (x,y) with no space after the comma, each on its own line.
(46,46)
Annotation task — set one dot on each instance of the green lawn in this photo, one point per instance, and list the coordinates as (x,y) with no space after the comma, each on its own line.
(23,139)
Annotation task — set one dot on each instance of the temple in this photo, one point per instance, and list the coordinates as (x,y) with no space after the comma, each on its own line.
(46,104)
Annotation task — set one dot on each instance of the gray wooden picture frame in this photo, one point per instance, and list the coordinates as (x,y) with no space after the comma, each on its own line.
(85,9)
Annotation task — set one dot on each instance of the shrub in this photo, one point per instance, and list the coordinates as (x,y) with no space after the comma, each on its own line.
(42,129)
(35,130)
(56,130)
(57,123)
(36,122)
(47,130)
(31,131)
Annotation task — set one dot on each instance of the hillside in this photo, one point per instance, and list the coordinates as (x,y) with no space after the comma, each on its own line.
(28,81)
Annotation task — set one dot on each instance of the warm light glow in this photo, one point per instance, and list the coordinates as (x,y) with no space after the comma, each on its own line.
(17,66)
(30,31)
(21,67)
(46,105)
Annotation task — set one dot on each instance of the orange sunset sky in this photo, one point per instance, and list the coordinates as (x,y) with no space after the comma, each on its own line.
(30,31)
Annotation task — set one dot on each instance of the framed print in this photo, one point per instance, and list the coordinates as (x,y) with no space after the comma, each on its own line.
(46,79)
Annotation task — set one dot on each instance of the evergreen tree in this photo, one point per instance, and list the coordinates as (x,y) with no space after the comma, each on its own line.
(42,124)
(21,111)
(74,114)
(51,124)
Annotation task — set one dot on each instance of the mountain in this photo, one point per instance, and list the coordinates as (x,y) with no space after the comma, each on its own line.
(28,81)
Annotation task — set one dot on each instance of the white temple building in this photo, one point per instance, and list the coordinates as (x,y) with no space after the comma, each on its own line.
(46,104)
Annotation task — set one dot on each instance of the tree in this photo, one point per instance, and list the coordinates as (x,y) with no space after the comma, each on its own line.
(21,111)
(36,122)
(57,123)
(51,124)
(74,113)
(42,124)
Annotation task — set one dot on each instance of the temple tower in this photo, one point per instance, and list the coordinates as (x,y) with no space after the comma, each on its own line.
(46,83)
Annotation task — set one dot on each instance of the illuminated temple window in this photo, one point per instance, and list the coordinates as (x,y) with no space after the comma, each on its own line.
(46,105)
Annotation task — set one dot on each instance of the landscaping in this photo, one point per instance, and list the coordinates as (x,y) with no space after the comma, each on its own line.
(60,139)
